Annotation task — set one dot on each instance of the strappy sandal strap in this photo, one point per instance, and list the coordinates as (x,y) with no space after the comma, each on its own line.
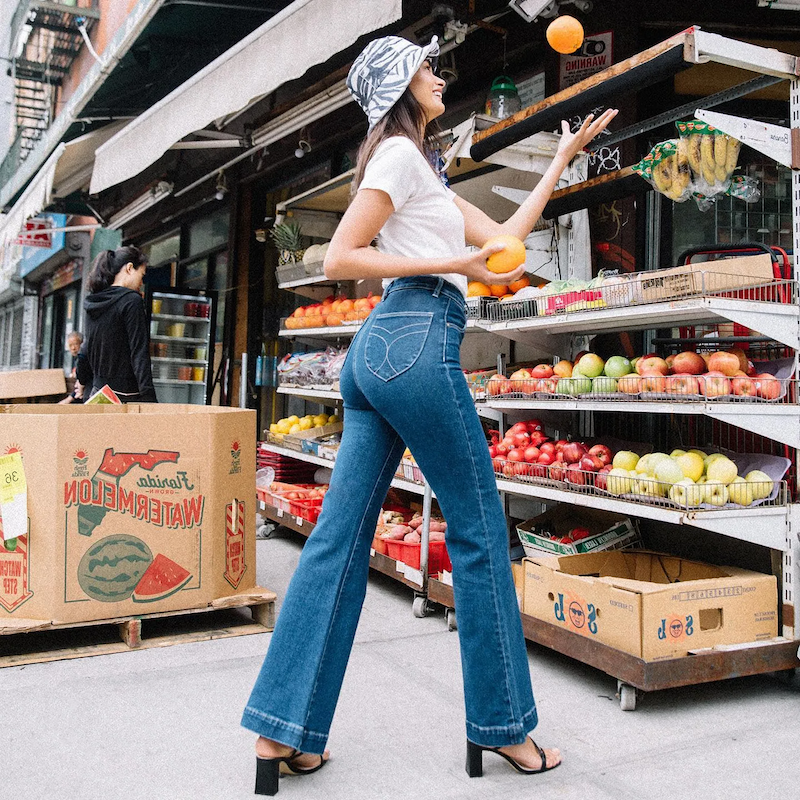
(543,757)
(298,769)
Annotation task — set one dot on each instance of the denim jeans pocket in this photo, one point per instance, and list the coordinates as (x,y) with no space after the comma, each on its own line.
(395,342)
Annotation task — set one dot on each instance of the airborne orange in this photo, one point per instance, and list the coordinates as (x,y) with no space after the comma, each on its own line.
(564,34)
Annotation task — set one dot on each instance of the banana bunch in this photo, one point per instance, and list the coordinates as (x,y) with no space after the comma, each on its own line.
(712,156)
(669,170)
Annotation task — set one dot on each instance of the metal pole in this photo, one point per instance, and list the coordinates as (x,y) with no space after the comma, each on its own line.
(427,497)
(243,383)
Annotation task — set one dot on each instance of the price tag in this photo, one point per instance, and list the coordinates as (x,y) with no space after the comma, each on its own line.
(280,511)
(13,497)
(299,520)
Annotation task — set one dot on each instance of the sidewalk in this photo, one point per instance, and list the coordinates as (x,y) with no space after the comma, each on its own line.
(164,723)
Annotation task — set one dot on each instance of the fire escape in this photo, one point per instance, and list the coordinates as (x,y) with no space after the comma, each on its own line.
(45,39)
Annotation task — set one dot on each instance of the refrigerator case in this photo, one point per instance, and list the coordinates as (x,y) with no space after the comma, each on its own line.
(182,326)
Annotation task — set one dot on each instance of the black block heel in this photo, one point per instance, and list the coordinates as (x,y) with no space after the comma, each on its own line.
(267,772)
(474,760)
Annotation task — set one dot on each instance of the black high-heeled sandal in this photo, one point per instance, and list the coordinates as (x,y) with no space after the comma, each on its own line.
(268,770)
(475,760)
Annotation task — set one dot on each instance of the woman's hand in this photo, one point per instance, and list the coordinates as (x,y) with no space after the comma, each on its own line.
(473,265)
(571,143)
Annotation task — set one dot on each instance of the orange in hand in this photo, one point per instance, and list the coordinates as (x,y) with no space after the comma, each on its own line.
(507,259)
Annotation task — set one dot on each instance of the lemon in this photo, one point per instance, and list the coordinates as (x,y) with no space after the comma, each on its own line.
(293,420)
(306,424)
(273,428)
(320,419)
(295,428)
(283,426)
(333,418)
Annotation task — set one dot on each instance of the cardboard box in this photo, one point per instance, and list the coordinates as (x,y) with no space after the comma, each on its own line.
(705,277)
(32,383)
(608,531)
(132,510)
(518,570)
(651,605)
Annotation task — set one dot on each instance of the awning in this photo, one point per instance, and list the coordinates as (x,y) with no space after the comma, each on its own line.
(67,170)
(306,33)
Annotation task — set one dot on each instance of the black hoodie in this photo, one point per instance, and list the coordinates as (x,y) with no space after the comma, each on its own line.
(116,345)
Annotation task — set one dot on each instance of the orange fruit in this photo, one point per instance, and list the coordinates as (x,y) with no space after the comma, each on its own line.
(510,257)
(478,289)
(564,34)
(498,289)
(520,284)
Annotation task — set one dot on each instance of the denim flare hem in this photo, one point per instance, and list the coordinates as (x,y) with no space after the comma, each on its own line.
(503,736)
(284,732)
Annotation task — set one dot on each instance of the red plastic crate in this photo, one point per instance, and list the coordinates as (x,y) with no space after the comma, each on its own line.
(409,553)
(307,509)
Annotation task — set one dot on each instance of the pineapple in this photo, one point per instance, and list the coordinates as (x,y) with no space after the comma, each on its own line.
(287,238)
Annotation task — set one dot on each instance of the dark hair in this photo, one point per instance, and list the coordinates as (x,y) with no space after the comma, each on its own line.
(110,262)
(405,118)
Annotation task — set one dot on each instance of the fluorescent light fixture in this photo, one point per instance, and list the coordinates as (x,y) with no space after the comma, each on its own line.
(781,5)
(530,9)
(140,205)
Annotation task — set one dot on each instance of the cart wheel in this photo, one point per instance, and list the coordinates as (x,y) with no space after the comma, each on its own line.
(790,677)
(420,607)
(450,616)
(265,531)
(627,697)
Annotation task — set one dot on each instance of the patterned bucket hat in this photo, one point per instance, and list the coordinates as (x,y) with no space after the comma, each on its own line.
(383,70)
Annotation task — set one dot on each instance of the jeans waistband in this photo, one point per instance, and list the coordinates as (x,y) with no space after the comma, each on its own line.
(430,283)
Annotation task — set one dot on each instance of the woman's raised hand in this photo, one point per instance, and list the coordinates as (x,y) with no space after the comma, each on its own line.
(473,265)
(571,143)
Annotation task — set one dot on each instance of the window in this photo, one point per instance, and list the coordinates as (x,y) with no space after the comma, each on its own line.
(209,232)
(12,317)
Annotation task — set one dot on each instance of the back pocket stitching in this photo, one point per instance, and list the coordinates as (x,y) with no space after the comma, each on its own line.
(421,327)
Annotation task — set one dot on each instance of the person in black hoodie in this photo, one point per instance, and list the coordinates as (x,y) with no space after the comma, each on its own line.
(116,346)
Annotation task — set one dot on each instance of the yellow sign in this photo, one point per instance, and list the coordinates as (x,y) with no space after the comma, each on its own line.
(13,497)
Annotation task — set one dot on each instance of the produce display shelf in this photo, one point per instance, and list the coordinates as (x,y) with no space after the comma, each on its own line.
(311,280)
(779,321)
(338,331)
(779,421)
(167,360)
(178,382)
(647,676)
(377,561)
(310,394)
(180,318)
(398,483)
(762,525)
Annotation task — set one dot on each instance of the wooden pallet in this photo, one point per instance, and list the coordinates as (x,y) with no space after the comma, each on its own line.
(47,641)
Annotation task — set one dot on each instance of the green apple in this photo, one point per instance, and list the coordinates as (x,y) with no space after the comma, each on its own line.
(715,493)
(574,385)
(643,465)
(668,471)
(702,455)
(740,491)
(654,460)
(686,493)
(617,366)
(649,487)
(677,452)
(590,365)
(619,481)
(625,459)
(761,484)
(722,470)
(692,465)
(604,385)
(710,459)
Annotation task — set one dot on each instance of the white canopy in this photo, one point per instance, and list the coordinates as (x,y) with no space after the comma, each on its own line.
(305,33)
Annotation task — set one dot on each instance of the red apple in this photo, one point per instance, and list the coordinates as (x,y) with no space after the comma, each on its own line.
(517,427)
(630,384)
(498,385)
(590,463)
(573,452)
(751,369)
(574,474)
(542,371)
(549,448)
(768,386)
(545,458)
(725,363)
(651,363)
(670,359)
(498,463)
(744,386)
(683,385)
(517,454)
(715,384)
(521,439)
(688,363)
(531,454)
(556,471)
(603,452)
(532,425)
(508,469)
(501,449)
(492,450)
(560,444)
(601,479)
(653,381)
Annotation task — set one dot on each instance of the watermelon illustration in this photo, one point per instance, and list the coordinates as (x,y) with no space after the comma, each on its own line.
(111,568)
(162,578)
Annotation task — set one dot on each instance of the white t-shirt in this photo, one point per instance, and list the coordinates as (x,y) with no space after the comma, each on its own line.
(426,222)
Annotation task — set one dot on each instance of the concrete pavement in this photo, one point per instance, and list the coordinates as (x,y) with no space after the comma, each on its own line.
(164,723)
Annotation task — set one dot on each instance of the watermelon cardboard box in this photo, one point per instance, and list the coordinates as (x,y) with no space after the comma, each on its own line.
(129,510)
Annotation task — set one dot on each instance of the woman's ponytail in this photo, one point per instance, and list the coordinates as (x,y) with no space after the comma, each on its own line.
(109,263)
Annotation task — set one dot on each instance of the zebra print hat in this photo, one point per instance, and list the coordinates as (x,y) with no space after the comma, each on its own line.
(382,72)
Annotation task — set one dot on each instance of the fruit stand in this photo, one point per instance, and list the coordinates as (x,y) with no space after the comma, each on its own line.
(750,420)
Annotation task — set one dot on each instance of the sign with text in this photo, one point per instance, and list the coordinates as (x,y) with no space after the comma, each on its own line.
(36,233)
(594,55)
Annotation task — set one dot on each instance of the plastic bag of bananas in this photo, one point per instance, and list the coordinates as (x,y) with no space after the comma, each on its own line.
(666,168)
(712,156)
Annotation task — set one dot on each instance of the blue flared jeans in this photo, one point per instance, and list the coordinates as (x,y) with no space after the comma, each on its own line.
(402,385)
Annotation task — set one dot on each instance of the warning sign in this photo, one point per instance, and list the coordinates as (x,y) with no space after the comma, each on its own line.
(594,55)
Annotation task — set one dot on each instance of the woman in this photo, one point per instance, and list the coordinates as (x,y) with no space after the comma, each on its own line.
(116,347)
(402,386)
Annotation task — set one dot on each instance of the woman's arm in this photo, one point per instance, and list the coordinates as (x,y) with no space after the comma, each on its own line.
(350,257)
(479,227)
